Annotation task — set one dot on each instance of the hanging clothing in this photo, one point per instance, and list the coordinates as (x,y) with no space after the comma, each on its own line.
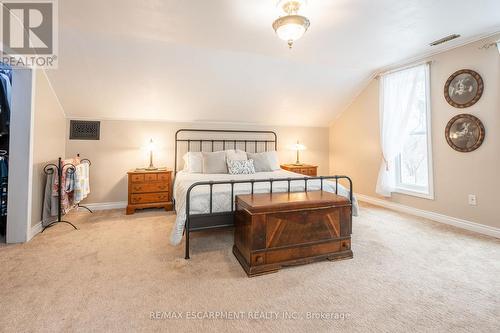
(75,187)
(4,172)
(5,103)
(4,167)
(50,204)
(66,197)
(82,184)
(5,108)
(69,185)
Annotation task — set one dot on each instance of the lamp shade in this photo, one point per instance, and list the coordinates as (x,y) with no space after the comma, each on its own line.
(151,146)
(298,146)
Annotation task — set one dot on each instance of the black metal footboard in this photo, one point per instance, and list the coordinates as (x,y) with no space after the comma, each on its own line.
(216,220)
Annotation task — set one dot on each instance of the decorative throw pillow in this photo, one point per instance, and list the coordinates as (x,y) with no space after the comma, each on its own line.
(193,162)
(214,162)
(265,162)
(236,155)
(240,167)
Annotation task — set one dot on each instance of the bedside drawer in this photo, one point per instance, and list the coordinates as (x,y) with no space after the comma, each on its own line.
(149,177)
(149,198)
(136,178)
(312,172)
(301,171)
(150,187)
(165,176)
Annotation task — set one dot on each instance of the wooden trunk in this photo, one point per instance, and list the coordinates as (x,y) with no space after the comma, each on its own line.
(284,229)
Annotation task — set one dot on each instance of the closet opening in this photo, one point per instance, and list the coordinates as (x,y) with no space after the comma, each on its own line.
(5,109)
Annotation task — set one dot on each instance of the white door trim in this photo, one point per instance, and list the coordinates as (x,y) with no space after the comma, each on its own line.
(21,156)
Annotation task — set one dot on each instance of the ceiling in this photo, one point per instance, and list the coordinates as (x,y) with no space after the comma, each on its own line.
(220,60)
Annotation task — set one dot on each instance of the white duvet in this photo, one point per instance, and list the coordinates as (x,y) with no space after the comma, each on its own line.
(221,202)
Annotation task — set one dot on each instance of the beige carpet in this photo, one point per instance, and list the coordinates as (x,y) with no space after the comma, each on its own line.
(407,275)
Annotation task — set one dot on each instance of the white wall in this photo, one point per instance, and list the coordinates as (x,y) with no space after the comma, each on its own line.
(119,150)
(355,147)
(49,138)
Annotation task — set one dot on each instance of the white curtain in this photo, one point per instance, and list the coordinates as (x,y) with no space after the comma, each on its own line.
(397,100)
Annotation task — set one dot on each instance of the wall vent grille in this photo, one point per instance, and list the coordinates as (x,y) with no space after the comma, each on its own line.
(444,40)
(84,130)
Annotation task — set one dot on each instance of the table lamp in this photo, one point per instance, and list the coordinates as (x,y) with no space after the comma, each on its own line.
(151,148)
(298,147)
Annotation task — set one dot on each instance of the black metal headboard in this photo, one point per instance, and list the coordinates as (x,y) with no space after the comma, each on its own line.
(215,140)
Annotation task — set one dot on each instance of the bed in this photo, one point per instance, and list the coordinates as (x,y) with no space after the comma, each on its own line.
(206,201)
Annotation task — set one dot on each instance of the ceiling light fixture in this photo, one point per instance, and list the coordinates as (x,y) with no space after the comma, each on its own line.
(292,26)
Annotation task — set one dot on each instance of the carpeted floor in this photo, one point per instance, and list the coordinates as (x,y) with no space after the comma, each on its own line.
(407,274)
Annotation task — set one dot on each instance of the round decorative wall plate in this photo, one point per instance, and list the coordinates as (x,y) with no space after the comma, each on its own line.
(463,88)
(465,133)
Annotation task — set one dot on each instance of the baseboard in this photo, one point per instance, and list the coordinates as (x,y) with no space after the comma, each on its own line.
(463,224)
(35,229)
(105,205)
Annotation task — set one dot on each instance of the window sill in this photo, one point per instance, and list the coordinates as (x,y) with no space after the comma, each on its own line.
(415,193)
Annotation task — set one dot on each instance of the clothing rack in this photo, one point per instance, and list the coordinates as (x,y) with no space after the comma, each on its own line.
(61,167)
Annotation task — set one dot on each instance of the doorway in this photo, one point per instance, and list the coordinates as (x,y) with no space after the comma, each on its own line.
(5,111)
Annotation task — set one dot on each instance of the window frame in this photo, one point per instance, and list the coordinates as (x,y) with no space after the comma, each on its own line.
(418,191)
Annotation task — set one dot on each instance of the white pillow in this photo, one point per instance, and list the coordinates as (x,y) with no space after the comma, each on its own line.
(193,162)
(214,162)
(266,161)
(272,156)
(236,155)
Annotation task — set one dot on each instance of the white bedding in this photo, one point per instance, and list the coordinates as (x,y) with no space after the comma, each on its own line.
(221,193)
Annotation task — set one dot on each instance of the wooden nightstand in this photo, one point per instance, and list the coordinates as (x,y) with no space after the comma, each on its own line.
(304,169)
(149,189)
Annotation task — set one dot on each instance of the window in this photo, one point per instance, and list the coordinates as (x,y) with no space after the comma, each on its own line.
(406,133)
(413,162)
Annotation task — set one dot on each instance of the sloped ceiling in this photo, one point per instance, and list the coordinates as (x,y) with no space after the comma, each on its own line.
(220,61)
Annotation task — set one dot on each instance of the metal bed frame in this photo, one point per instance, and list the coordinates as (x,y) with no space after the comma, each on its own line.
(218,220)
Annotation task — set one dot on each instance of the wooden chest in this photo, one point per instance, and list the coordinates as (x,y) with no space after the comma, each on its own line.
(280,229)
(149,189)
(303,169)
